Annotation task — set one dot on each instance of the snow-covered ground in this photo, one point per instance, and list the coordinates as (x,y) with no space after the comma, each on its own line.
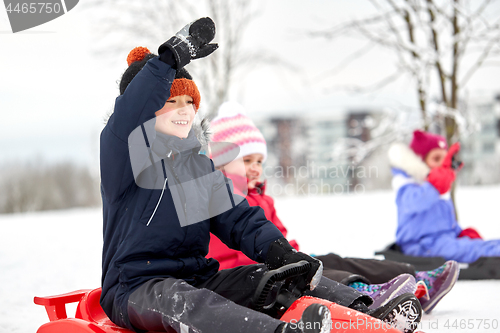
(56,252)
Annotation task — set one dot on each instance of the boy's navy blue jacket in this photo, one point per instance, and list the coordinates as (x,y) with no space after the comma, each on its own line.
(143,238)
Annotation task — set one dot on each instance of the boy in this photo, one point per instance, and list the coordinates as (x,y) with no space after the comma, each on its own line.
(161,198)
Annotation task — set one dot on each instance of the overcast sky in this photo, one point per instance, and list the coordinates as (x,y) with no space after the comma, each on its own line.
(55,92)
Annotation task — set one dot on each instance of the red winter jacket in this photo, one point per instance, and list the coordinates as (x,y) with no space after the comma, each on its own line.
(229,258)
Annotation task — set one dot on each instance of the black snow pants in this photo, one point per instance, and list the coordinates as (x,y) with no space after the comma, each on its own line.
(218,305)
(371,271)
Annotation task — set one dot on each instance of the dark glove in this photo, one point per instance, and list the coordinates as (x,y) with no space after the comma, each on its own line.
(281,253)
(191,42)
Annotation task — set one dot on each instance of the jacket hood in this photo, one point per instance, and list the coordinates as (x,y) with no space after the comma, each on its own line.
(403,158)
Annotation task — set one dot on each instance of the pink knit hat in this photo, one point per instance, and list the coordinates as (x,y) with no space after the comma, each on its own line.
(424,142)
(232,125)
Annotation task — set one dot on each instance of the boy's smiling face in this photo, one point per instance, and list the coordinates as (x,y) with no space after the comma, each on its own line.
(176,116)
(253,168)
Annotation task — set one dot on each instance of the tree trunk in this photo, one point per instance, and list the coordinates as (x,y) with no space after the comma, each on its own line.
(451,125)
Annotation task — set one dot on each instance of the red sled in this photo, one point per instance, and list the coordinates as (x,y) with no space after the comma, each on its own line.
(90,317)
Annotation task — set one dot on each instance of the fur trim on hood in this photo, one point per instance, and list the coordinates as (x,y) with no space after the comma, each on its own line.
(403,158)
(202,130)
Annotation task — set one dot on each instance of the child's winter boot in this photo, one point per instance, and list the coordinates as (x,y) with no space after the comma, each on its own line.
(383,293)
(439,282)
(403,312)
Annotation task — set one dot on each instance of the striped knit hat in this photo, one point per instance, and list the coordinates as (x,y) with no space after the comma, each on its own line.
(233,126)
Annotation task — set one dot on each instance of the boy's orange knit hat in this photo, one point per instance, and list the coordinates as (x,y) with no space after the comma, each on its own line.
(183,83)
(185,86)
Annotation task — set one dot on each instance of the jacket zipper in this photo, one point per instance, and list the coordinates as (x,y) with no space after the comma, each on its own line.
(158,203)
(162,190)
(179,182)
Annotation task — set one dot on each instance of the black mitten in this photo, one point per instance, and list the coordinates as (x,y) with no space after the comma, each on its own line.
(281,253)
(191,42)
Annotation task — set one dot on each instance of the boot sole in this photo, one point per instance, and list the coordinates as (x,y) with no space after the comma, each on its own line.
(405,315)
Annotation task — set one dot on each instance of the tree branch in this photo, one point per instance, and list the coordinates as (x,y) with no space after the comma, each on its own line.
(442,75)
(478,63)
(456,56)
(342,29)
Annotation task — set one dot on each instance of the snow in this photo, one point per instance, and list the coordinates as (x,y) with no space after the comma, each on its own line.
(50,253)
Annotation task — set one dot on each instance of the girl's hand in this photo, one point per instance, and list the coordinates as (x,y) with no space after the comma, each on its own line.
(449,160)
(441,178)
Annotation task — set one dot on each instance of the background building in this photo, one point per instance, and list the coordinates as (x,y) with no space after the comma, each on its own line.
(304,157)
(481,149)
(301,151)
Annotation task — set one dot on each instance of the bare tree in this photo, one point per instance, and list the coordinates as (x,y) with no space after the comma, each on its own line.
(392,124)
(440,44)
(122,24)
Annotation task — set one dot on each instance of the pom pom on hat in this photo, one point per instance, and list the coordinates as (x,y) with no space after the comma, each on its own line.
(137,54)
(424,142)
(232,125)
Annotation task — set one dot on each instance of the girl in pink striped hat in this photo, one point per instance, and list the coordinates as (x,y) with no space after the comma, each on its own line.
(239,149)
(241,138)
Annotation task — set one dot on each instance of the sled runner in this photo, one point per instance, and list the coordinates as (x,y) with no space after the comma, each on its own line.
(484,268)
(279,293)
